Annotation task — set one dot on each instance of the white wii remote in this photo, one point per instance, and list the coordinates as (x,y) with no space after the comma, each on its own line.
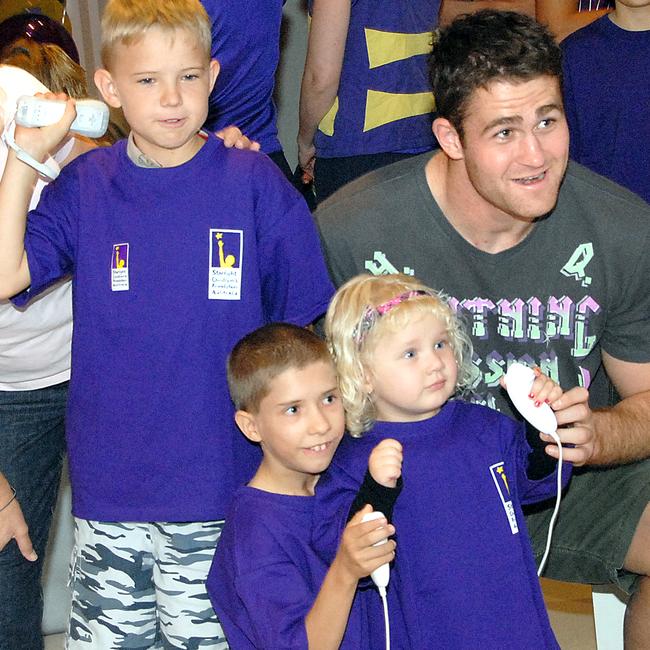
(519,380)
(91,120)
(381,575)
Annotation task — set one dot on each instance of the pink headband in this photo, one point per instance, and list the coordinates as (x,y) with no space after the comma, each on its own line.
(371,314)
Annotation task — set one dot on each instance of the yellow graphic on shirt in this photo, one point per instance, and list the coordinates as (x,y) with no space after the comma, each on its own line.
(119,263)
(383,108)
(502,475)
(327,123)
(225,262)
(387,47)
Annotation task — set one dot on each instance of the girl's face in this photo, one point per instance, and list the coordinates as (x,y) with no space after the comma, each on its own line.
(412,372)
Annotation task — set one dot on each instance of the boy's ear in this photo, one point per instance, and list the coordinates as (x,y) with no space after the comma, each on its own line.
(214,72)
(106,86)
(448,138)
(248,424)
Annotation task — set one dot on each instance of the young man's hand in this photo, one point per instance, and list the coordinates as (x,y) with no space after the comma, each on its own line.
(307,159)
(574,419)
(385,462)
(576,427)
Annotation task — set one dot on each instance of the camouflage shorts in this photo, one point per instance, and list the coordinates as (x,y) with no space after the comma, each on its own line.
(142,585)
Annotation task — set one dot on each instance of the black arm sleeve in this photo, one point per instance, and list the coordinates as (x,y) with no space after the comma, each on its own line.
(381,498)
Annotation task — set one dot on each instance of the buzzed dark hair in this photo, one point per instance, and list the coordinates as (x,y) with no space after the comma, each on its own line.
(266,352)
(486,46)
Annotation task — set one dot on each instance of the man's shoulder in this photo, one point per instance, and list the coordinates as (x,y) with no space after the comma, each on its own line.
(374,193)
(594,194)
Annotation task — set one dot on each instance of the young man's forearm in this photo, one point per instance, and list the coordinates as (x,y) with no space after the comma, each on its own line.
(623,431)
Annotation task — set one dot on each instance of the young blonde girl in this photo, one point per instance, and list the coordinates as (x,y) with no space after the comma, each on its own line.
(464,574)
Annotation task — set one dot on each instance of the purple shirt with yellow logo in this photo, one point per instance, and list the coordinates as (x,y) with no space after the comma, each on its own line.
(384,101)
(464,574)
(170,267)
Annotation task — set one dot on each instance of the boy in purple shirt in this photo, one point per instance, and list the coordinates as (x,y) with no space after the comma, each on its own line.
(166,278)
(267,584)
(607,98)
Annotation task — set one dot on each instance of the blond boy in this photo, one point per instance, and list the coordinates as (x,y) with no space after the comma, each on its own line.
(177,247)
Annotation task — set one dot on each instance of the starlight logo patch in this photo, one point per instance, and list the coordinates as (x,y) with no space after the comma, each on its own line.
(120,267)
(226,259)
(500,479)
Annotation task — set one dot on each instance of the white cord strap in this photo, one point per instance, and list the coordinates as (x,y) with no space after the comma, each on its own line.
(49,171)
(558,498)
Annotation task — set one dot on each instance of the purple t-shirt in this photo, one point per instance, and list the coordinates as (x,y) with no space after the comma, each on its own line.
(607,101)
(170,267)
(246,42)
(384,96)
(464,574)
(266,575)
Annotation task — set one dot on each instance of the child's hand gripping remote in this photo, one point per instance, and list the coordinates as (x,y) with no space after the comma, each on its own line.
(381,575)
(519,380)
(91,121)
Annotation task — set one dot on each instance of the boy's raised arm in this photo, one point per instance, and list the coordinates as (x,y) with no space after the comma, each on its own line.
(16,189)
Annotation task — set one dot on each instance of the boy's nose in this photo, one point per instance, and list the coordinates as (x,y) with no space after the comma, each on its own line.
(170,96)
(319,423)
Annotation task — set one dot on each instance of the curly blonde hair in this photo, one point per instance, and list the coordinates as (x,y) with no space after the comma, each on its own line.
(352,337)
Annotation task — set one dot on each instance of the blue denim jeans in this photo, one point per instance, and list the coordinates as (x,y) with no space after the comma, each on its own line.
(32,446)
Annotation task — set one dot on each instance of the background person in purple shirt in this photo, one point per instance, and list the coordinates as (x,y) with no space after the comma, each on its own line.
(365,100)
(607,98)
(246,42)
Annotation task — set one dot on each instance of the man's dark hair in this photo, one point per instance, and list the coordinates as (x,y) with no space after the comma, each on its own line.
(486,46)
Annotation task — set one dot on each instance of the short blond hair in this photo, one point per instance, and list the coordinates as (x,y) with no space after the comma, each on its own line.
(352,336)
(127,21)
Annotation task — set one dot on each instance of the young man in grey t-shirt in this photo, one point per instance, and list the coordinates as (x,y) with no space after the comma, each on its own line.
(548,264)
